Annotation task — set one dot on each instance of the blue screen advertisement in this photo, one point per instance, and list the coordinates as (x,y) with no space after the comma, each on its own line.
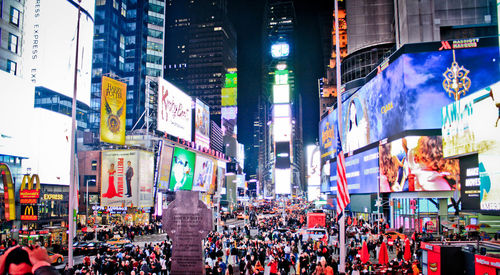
(327,136)
(362,172)
(410,92)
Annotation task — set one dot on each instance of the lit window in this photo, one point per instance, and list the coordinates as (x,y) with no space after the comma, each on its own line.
(115,4)
(100,2)
(11,67)
(13,40)
(14,16)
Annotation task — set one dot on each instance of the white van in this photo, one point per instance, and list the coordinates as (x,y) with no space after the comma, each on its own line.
(314,234)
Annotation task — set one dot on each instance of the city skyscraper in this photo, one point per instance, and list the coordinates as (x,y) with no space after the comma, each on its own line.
(200,49)
(128,45)
(11,35)
(280,151)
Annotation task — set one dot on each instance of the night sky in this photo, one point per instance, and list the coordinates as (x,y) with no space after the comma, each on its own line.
(247,17)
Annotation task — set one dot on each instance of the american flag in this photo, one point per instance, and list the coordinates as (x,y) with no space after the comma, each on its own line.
(343,198)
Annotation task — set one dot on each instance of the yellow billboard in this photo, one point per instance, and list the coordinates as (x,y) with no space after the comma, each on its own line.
(229,97)
(113,107)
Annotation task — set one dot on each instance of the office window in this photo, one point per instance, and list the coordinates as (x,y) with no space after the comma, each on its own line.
(124,10)
(11,67)
(13,40)
(115,4)
(100,2)
(14,16)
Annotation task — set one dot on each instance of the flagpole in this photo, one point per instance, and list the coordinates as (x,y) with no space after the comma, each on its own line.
(73,181)
(339,123)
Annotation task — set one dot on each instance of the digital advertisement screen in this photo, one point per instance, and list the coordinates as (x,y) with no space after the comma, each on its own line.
(174,110)
(472,123)
(203,173)
(231,80)
(202,124)
(416,163)
(283,181)
(328,136)
(183,164)
(164,165)
(489,175)
(281,94)
(280,50)
(127,178)
(325,177)
(282,129)
(282,150)
(411,91)
(113,110)
(313,166)
(281,110)
(281,77)
(49,55)
(229,116)
(362,172)
(229,97)
(469,182)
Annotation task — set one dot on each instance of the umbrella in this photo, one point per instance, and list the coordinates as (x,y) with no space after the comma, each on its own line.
(365,256)
(407,255)
(383,255)
(472,227)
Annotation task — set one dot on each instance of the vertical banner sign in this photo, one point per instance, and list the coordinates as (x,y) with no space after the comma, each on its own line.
(8,187)
(113,109)
(164,166)
(29,197)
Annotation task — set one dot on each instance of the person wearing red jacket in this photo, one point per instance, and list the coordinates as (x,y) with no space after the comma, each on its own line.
(274,266)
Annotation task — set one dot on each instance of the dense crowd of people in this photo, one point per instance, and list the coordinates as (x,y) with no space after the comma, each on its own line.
(272,243)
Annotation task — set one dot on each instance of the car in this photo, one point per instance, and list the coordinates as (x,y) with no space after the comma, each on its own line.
(118,240)
(92,248)
(242,217)
(55,258)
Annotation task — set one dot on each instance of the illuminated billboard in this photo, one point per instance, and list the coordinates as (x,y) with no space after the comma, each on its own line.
(281,110)
(203,173)
(328,135)
(313,165)
(182,174)
(282,151)
(281,77)
(472,123)
(362,172)
(229,97)
(228,117)
(174,110)
(282,129)
(113,110)
(127,178)
(280,50)
(49,55)
(416,163)
(202,124)
(411,87)
(281,93)
(283,180)
(231,80)
(164,165)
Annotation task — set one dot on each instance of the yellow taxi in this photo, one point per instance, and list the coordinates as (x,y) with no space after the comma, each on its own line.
(55,258)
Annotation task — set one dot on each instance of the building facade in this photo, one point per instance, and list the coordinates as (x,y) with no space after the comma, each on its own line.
(200,49)
(128,45)
(11,35)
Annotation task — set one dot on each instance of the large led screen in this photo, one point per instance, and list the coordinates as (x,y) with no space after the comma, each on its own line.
(283,181)
(411,91)
(282,129)
(472,123)
(183,163)
(202,124)
(164,165)
(203,173)
(362,172)
(49,49)
(281,94)
(174,110)
(228,117)
(328,135)
(469,182)
(416,163)
(281,49)
(313,165)
(127,178)
(229,97)
(282,150)
(281,110)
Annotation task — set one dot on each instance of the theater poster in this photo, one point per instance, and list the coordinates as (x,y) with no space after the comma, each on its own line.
(113,109)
